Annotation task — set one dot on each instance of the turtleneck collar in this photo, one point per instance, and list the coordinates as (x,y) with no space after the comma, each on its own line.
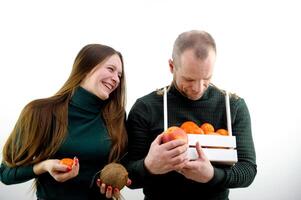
(87,101)
(174,90)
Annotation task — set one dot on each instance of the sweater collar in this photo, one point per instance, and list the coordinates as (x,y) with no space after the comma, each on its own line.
(87,101)
(174,90)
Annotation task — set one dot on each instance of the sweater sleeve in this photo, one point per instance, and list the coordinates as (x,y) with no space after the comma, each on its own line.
(139,142)
(244,171)
(16,175)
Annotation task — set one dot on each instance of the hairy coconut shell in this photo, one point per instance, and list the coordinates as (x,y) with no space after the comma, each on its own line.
(115,175)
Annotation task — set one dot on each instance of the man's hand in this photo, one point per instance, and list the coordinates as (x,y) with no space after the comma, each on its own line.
(163,158)
(199,170)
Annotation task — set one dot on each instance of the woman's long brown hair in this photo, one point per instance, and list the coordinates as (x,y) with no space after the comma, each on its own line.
(42,124)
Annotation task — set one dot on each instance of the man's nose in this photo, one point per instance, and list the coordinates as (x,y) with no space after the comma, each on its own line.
(198,86)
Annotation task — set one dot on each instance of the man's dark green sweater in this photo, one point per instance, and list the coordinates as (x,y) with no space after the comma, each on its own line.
(87,139)
(145,122)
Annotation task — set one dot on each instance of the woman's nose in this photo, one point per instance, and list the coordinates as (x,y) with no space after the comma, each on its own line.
(116,78)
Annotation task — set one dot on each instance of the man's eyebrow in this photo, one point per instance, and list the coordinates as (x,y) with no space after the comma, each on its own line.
(207,78)
(189,77)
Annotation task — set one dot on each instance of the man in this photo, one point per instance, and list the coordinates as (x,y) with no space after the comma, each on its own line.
(163,170)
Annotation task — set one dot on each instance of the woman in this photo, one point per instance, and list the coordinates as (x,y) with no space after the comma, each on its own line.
(84,120)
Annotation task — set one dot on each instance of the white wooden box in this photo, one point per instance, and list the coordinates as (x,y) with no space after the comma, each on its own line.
(218,149)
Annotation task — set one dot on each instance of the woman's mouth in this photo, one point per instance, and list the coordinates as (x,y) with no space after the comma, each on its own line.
(108,86)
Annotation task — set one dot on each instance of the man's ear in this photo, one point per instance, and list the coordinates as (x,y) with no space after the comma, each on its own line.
(171,65)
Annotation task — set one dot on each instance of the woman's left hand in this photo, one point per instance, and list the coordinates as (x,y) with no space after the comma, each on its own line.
(108,190)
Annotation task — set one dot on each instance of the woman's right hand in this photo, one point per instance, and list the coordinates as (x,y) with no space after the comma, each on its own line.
(58,171)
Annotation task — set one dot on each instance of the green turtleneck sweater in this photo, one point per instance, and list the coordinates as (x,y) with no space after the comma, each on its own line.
(145,122)
(87,139)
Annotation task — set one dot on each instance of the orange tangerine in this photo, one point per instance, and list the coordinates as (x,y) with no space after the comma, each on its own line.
(207,128)
(191,127)
(67,161)
(173,133)
(222,131)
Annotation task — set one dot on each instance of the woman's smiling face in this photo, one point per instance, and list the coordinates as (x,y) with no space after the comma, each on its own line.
(104,78)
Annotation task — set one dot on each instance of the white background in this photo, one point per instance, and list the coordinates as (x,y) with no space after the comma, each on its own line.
(258,44)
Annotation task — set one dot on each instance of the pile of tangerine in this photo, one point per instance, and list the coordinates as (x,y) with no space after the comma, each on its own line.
(205,128)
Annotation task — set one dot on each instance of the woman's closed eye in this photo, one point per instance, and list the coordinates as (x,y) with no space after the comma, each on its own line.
(111,69)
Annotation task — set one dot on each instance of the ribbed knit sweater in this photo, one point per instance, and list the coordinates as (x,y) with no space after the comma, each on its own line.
(87,139)
(145,122)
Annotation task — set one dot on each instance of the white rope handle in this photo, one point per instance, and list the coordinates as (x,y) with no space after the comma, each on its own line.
(228,112)
(165,109)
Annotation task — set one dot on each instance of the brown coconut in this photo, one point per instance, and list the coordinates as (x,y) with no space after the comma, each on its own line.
(115,175)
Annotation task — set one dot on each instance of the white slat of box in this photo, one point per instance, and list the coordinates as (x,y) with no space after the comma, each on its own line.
(212,140)
(221,156)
